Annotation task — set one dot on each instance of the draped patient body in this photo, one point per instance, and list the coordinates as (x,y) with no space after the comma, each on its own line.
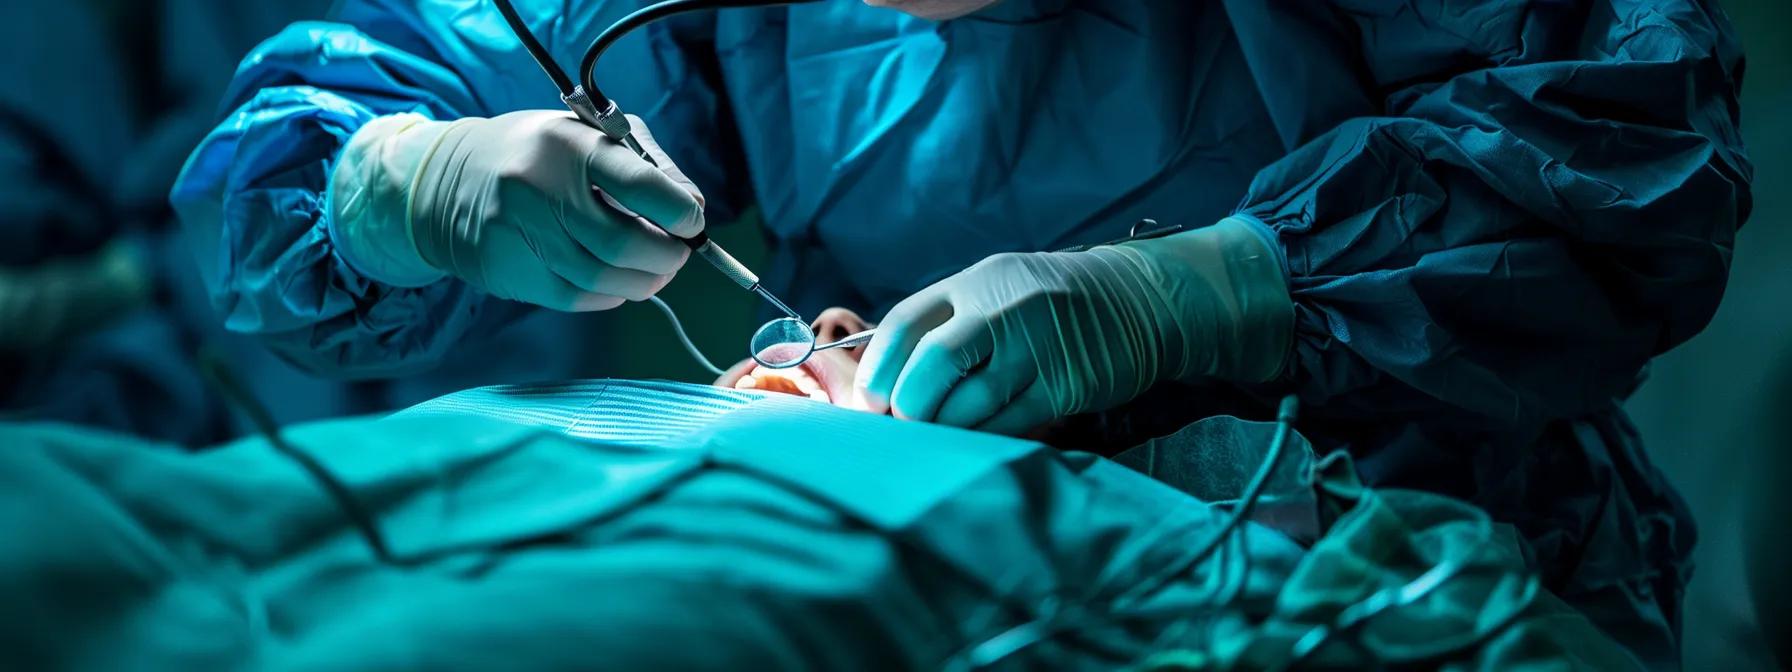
(719,529)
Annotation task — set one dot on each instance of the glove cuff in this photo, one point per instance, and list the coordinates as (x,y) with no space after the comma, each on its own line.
(1222,303)
(369,199)
(1258,268)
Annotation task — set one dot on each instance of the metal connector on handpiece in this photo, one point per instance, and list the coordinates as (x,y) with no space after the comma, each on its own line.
(610,121)
(581,106)
(614,123)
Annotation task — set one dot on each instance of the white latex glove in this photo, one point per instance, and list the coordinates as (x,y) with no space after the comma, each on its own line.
(1019,340)
(507,204)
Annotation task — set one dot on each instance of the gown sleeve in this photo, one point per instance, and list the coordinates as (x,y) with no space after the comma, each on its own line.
(1547,199)
(252,196)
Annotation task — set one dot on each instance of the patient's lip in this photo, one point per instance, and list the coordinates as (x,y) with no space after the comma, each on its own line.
(834,370)
(825,376)
(832,373)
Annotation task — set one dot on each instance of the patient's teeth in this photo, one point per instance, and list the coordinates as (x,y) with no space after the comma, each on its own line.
(771,380)
(794,381)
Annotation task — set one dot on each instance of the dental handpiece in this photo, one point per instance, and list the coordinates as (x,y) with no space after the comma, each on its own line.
(613,123)
(583,98)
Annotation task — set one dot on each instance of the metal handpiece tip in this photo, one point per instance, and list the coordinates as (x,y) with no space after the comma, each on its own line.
(761,291)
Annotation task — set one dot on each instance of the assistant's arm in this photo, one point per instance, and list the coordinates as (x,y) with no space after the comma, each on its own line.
(1549,201)
(255,198)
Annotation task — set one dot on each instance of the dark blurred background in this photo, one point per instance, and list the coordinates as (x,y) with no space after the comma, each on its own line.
(101,99)
(1716,412)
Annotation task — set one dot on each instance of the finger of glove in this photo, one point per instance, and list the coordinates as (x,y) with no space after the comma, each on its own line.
(990,388)
(941,360)
(558,294)
(888,352)
(570,260)
(643,188)
(622,239)
(644,135)
(1028,411)
(527,276)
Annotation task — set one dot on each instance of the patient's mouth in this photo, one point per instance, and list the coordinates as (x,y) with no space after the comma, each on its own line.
(797,380)
(825,376)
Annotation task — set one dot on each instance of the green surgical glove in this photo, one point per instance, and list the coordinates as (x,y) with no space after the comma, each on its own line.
(1019,340)
(508,205)
(42,307)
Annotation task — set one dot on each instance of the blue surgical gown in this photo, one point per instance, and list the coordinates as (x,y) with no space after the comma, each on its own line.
(76,178)
(1494,213)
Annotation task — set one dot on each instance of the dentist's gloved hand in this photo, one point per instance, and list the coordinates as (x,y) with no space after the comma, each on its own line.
(507,204)
(1019,340)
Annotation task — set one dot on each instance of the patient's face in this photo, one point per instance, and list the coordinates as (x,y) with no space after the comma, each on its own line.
(827,376)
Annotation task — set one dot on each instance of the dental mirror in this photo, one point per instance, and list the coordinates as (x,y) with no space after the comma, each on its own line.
(783,343)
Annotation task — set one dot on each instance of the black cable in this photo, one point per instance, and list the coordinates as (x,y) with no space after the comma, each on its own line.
(1353,616)
(536,51)
(218,373)
(1253,491)
(642,17)
(1032,632)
